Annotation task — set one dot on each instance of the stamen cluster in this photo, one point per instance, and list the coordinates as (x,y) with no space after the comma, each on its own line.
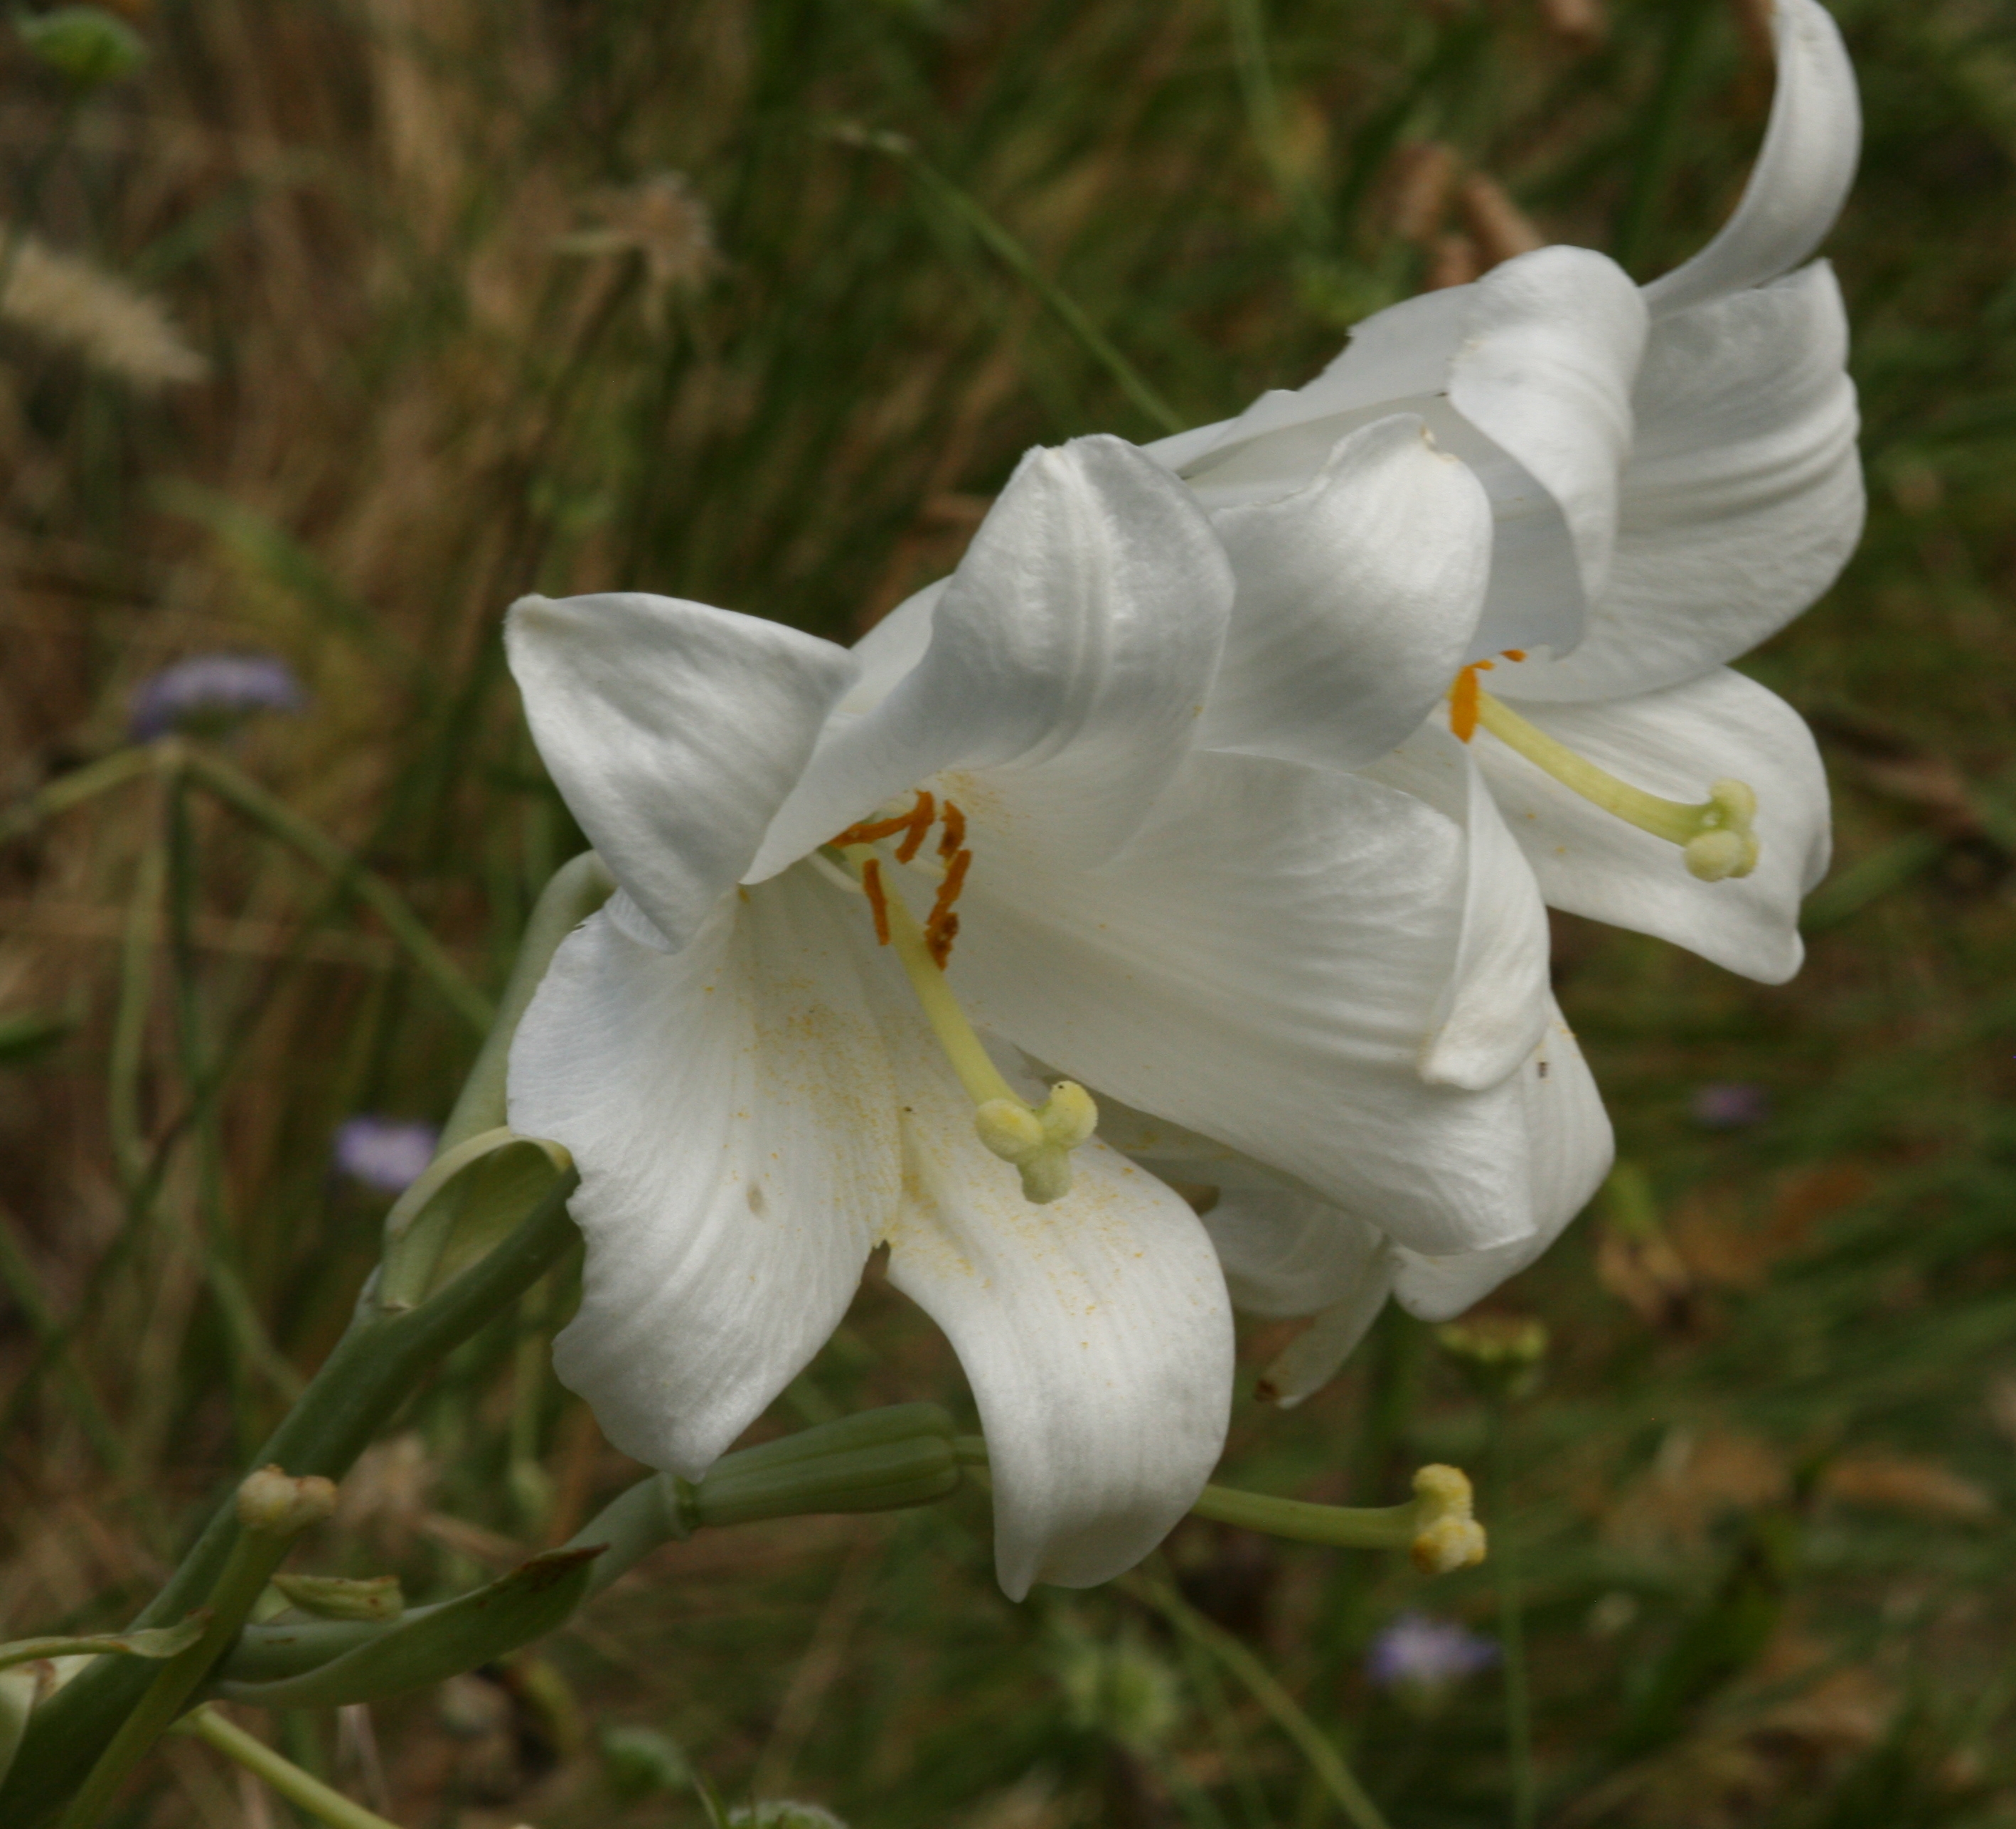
(942,924)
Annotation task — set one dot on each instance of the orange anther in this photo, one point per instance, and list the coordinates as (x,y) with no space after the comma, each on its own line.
(868,831)
(871,884)
(955,831)
(942,924)
(1462,704)
(1514,654)
(922,817)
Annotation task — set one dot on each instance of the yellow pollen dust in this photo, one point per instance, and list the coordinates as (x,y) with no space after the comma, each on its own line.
(1717,838)
(1036,1139)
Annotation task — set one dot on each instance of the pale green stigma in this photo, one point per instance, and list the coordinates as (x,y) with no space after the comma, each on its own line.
(1039,1141)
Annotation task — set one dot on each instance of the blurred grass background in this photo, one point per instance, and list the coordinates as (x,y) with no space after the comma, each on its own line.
(499,295)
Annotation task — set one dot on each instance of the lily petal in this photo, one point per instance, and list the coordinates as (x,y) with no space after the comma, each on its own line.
(1096,1331)
(1742,501)
(893,648)
(1545,370)
(1316,1355)
(1571,1153)
(1492,1007)
(1285,1253)
(1358,598)
(1676,742)
(1401,361)
(1262,965)
(674,731)
(736,1168)
(1526,376)
(1072,647)
(1802,174)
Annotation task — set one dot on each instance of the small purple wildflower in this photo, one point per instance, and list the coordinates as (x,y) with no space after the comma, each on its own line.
(208,693)
(1731,1105)
(387,1153)
(1417,1653)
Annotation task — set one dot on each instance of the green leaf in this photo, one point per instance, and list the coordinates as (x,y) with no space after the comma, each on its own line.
(20,1684)
(17,1699)
(163,1641)
(470,1196)
(85,44)
(330,1597)
(434,1643)
(28,1033)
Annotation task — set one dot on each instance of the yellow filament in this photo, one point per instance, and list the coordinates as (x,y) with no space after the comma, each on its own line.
(1716,837)
(1038,1140)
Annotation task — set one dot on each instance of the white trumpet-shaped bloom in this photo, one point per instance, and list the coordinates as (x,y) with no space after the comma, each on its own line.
(1673,476)
(839,871)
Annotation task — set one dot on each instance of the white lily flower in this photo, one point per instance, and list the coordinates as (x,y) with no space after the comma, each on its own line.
(759,1090)
(1673,476)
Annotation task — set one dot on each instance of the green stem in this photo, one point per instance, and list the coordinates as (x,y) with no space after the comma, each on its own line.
(283,1775)
(1314,1744)
(657,1509)
(1664,122)
(26,1287)
(1511,1629)
(75,788)
(886,1460)
(139,1208)
(1343,1527)
(1248,22)
(374,1369)
(254,1556)
(204,1235)
(129,1021)
(1385,1527)
(1017,259)
(241,792)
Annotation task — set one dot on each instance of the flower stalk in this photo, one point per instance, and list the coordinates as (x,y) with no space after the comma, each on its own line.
(272,1509)
(299,1788)
(371,1372)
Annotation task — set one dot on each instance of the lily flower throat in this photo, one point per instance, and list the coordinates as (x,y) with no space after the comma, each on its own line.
(1717,837)
(1036,1139)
